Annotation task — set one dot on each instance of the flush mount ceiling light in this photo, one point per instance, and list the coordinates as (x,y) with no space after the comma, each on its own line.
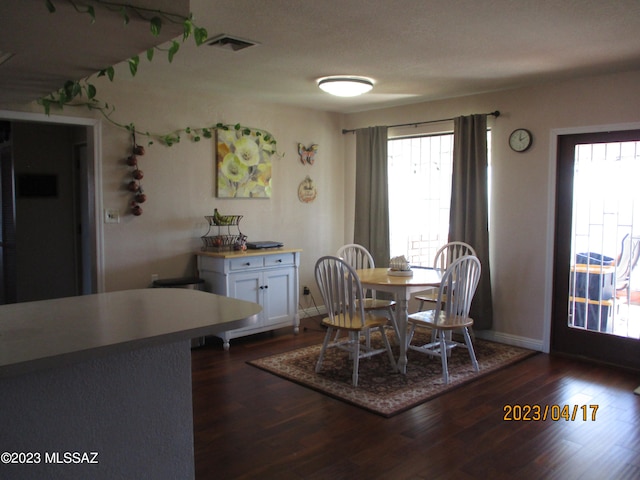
(345,86)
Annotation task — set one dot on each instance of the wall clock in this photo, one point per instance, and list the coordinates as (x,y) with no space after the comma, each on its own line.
(520,139)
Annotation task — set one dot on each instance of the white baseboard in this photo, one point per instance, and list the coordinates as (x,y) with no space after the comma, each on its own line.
(515,340)
(311,311)
(506,338)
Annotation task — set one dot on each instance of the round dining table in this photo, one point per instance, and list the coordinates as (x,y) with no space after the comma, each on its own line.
(402,285)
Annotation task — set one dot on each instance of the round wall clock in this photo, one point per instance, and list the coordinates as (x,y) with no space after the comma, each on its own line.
(520,139)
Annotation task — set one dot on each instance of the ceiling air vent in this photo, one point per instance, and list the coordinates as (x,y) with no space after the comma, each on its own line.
(230,43)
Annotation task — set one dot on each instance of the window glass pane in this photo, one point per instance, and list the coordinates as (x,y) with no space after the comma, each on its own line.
(420,170)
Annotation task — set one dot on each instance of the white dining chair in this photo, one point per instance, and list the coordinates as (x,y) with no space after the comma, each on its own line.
(343,297)
(459,283)
(444,257)
(358,257)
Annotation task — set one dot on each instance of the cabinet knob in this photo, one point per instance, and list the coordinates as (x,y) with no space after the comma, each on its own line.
(248,264)
(279,260)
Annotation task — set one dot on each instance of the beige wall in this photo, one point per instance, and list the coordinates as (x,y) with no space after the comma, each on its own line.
(179,182)
(522,197)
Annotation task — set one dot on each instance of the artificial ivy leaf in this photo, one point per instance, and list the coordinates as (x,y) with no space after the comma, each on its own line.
(206,133)
(237,126)
(196,139)
(133,65)
(156,26)
(47,107)
(246,131)
(62,98)
(200,35)
(50,6)
(69,87)
(91,91)
(125,16)
(188,129)
(110,73)
(187,29)
(92,13)
(175,46)
(150,53)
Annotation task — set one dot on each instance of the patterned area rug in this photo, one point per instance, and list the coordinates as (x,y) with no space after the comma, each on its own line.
(380,389)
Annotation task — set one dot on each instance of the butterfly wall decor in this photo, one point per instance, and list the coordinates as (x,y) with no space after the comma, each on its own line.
(307,155)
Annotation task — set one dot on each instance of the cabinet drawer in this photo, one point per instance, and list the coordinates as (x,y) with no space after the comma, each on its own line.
(246,263)
(276,260)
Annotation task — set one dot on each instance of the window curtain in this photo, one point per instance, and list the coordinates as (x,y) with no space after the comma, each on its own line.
(371,229)
(469,215)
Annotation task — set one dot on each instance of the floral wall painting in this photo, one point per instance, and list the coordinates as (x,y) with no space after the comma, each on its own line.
(243,164)
(307,155)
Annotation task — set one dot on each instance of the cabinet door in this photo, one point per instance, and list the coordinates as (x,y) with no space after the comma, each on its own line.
(279,299)
(247,286)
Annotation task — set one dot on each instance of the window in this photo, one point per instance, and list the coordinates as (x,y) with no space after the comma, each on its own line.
(420,170)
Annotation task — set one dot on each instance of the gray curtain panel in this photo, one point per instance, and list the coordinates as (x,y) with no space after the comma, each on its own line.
(469,216)
(371,228)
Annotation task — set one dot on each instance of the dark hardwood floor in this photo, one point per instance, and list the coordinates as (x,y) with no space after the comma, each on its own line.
(251,424)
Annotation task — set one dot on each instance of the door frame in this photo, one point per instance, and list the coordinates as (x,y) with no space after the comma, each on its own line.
(551,212)
(94,155)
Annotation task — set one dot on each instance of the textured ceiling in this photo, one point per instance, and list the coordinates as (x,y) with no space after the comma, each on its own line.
(414,50)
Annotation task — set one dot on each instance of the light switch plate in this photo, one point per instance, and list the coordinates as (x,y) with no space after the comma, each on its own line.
(111,215)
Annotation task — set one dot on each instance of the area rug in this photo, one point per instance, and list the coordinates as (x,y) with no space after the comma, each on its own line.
(381,390)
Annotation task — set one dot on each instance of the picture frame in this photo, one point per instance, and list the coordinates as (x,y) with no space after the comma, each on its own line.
(243,164)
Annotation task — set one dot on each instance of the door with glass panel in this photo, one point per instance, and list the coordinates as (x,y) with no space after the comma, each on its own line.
(596,306)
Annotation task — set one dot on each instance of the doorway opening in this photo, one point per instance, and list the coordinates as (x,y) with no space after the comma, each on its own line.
(51,239)
(596,304)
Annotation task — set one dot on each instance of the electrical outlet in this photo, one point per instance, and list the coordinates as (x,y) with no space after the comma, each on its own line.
(111,215)
(306,291)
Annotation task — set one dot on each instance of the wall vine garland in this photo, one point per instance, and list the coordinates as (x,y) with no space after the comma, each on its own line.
(83,93)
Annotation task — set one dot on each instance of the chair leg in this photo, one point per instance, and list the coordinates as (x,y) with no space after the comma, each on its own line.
(327,337)
(388,347)
(472,353)
(394,323)
(443,355)
(410,334)
(356,356)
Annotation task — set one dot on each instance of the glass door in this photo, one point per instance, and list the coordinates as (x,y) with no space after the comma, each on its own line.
(596,310)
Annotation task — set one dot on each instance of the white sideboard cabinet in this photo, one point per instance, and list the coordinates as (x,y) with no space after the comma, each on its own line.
(266,277)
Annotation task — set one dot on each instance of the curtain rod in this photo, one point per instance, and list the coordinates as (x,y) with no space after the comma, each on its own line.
(415,124)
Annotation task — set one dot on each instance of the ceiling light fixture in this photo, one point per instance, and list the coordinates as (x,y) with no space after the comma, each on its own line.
(345,86)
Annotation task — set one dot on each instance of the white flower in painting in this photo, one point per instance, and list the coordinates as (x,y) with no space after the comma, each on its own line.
(234,168)
(247,150)
(226,136)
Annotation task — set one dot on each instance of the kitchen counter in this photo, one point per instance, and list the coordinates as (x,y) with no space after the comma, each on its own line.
(99,386)
(43,334)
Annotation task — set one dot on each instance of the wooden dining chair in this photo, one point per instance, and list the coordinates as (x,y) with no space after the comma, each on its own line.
(358,257)
(459,283)
(443,258)
(343,297)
